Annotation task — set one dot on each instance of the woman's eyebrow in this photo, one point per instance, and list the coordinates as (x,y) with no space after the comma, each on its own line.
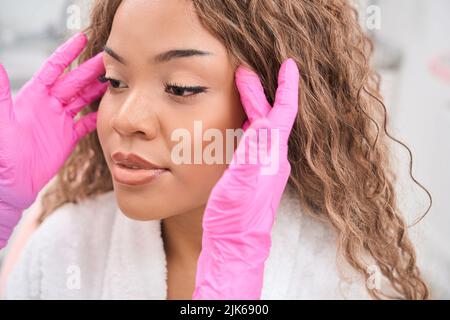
(164,56)
(114,54)
(179,53)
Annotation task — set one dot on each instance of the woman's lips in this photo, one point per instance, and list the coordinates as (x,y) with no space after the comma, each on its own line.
(133,160)
(132,169)
(135,177)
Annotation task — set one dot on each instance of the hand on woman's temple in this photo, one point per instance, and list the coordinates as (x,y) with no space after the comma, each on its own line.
(240,212)
(37,129)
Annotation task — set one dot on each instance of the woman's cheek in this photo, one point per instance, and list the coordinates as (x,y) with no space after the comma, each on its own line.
(104,114)
(100,121)
(202,176)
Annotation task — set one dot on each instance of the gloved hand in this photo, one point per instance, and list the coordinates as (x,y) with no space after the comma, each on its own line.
(37,129)
(240,211)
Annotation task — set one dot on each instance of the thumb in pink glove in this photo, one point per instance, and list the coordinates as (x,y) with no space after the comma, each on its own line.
(240,212)
(37,129)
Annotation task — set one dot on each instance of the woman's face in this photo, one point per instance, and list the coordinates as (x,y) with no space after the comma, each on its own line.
(140,112)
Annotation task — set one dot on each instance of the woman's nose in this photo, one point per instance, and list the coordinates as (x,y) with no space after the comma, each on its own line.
(136,117)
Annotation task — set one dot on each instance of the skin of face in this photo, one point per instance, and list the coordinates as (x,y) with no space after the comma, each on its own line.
(141,115)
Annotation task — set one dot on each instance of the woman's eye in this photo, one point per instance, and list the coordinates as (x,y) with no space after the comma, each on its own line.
(114,83)
(183,91)
(173,89)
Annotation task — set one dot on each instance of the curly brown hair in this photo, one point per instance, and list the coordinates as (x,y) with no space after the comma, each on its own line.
(338,147)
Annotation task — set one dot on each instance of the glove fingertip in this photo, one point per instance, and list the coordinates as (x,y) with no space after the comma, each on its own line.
(288,72)
(4,80)
(85,125)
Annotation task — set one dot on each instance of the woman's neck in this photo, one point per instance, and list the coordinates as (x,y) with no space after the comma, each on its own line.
(182,237)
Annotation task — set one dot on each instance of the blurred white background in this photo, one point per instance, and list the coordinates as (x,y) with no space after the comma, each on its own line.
(413,33)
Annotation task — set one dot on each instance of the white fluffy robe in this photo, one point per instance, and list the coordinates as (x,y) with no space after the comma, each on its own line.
(91,250)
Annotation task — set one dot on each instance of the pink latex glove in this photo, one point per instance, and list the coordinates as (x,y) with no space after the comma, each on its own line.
(240,212)
(37,130)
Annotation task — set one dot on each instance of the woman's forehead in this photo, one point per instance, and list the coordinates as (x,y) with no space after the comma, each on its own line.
(170,23)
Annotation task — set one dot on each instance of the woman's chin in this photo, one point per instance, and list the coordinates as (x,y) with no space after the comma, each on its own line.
(140,210)
(140,216)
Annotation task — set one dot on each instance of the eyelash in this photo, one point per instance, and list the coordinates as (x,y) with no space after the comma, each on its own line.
(104,79)
(194,89)
(115,84)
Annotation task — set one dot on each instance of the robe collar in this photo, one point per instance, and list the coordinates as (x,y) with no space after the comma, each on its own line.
(136,267)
